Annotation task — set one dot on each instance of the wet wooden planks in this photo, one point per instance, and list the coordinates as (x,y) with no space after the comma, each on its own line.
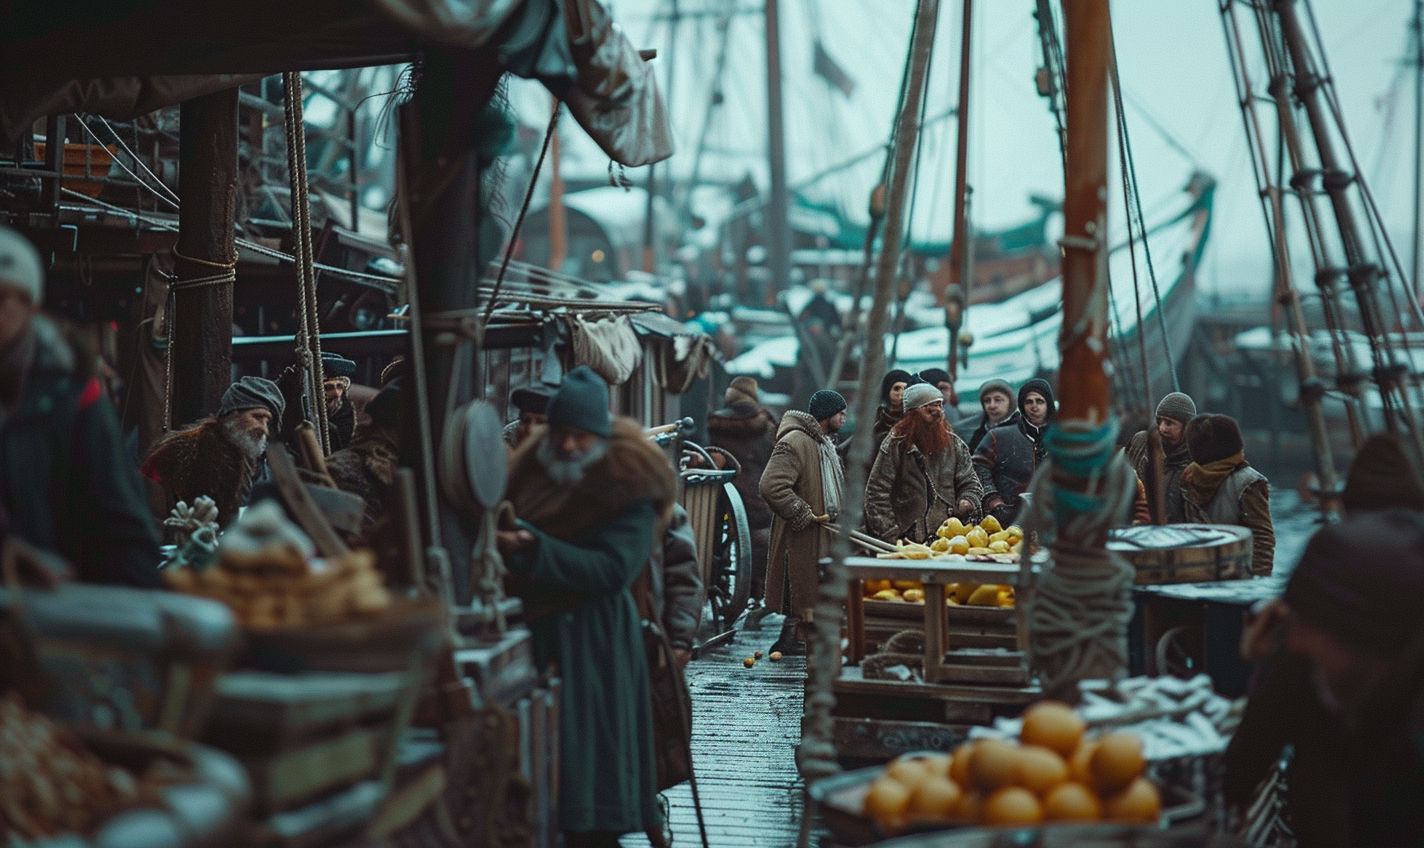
(745,728)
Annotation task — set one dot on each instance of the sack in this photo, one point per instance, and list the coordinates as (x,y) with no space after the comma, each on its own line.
(672,709)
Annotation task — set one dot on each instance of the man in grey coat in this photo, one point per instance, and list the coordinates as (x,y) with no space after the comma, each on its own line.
(922,474)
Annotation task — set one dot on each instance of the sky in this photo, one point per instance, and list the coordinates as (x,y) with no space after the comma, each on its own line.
(1175,73)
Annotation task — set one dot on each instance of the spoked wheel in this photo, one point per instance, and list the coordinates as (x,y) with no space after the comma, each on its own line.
(1180,650)
(729,579)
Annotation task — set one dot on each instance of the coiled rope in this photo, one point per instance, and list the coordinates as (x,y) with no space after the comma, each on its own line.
(1079,612)
(309,333)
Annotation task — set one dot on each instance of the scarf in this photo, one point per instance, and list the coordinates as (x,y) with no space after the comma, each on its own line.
(832,480)
(1200,482)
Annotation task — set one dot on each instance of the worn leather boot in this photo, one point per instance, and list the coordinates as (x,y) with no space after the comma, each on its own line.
(788,643)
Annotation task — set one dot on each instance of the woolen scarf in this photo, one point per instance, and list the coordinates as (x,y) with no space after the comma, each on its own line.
(1200,482)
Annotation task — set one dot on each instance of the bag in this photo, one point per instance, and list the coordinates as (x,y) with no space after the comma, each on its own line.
(667,688)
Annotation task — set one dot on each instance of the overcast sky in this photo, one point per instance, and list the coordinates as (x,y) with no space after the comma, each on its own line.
(1174,68)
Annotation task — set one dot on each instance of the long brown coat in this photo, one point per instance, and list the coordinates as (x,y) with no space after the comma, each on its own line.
(902,502)
(792,487)
(202,460)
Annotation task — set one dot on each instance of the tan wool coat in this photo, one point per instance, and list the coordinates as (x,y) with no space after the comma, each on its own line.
(791,486)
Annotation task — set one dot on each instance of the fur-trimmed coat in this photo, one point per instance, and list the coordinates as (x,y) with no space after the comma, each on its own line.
(909,494)
(367,468)
(202,460)
(593,539)
(748,432)
(793,489)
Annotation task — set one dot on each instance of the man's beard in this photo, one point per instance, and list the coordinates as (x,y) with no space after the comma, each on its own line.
(251,446)
(333,405)
(569,470)
(931,437)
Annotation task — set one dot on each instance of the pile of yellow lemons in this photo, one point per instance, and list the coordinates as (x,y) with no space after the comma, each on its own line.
(986,537)
(955,594)
(1052,774)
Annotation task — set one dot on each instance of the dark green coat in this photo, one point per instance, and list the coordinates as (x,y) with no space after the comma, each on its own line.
(67,482)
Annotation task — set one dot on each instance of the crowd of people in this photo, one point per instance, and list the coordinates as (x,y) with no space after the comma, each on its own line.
(601,550)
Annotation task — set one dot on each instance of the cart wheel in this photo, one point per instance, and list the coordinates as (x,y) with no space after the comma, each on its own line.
(729,583)
(1179,652)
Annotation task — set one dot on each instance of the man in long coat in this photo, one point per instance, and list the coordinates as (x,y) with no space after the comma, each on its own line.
(922,473)
(803,485)
(592,494)
(745,429)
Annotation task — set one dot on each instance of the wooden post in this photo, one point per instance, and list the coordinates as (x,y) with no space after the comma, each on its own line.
(777,231)
(1085,385)
(956,296)
(202,320)
(558,220)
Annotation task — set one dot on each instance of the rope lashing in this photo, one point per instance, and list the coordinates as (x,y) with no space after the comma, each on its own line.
(1079,612)
(309,332)
(228,276)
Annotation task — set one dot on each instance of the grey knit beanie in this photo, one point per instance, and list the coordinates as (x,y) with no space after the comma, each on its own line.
(1178,407)
(581,402)
(254,393)
(921,394)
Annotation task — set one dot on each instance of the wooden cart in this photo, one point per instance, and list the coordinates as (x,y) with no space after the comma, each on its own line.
(969,673)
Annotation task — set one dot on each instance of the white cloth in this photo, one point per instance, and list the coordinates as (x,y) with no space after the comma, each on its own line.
(832,478)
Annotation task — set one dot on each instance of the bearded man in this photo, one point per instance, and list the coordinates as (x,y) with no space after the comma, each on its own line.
(368,467)
(337,372)
(221,455)
(592,494)
(1173,413)
(803,484)
(922,474)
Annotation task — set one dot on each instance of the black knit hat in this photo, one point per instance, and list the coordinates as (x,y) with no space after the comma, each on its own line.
(384,408)
(581,402)
(935,376)
(825,404)
(1382,477)
(1213,437)
(533,398)
(891,378)
(1036,385)
(336,365)
(1362,581)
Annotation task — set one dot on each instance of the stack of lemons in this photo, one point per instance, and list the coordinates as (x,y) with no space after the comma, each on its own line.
(1053,774)
(986,537)
(956,594)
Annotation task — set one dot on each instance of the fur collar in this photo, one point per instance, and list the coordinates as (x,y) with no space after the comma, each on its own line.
(634,469)
(797,421)
(202,460)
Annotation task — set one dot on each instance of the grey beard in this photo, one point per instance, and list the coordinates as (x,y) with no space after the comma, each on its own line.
(568,470)
(252,447)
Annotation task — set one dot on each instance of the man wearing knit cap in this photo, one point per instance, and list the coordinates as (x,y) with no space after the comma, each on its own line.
(337,372)
(746,430)
(804,486)
(591,493)
(1382,476)
(939,378)
(1009,454)
(67,484)
(532,402)
(1220,487)
(922,473)
(1173,413)
(1345,689)
(996,398)
(222,455)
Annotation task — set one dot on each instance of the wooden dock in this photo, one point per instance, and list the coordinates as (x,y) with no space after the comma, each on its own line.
(746,725)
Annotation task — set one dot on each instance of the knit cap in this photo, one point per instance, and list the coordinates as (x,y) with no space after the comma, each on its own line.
(20,264)
(1362,581)
(935,376)
(922,394)
(892,377)
(581,402)
(533,398)
(1382,477)
(254,393)
(825,404)
(1213,437)
(996,385)
(1178,407)
(742,390)
(1036,385)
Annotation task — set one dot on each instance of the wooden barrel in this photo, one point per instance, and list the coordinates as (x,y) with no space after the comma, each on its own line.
(1184,553)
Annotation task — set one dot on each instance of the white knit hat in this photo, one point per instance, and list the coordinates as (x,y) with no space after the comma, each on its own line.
(921,394)
(20,264)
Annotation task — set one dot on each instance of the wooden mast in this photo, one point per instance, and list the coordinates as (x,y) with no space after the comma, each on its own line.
(956,296)
(1083,380)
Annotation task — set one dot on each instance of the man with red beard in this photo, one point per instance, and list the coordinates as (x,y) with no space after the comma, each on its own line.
(222,455)
(922,474)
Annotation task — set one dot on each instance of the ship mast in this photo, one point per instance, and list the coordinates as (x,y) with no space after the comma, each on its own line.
(956,298)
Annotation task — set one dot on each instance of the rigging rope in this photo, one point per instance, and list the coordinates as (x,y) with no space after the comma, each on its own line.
(1133,197)
(524,207)
(1082,603)
(309,332)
